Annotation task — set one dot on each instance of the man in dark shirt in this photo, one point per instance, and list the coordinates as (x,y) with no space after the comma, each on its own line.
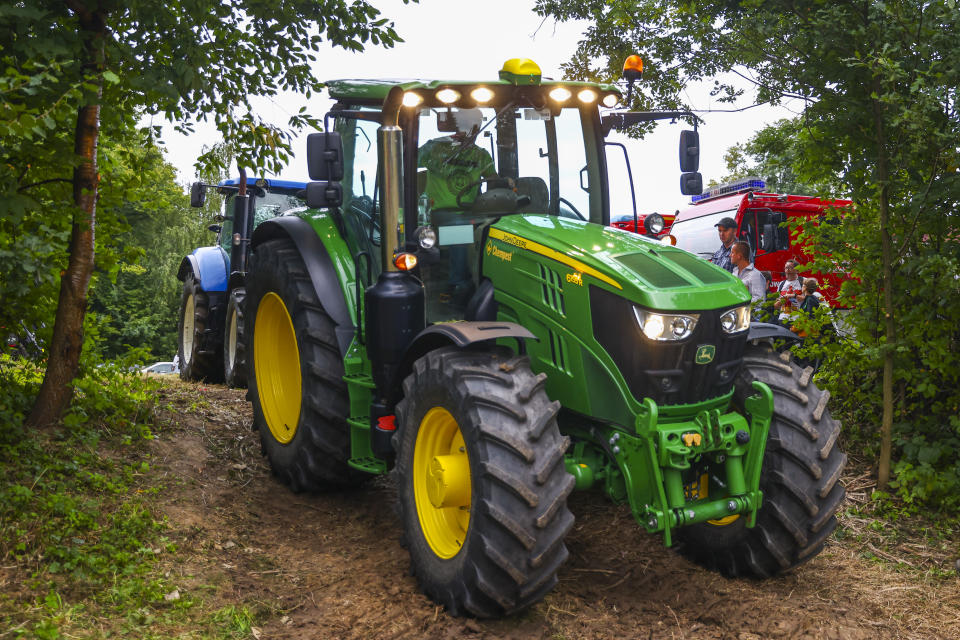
(727,228)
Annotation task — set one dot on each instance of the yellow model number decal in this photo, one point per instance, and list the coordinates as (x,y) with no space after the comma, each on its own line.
(578,267)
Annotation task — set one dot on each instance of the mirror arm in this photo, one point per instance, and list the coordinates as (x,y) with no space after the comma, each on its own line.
(623,119)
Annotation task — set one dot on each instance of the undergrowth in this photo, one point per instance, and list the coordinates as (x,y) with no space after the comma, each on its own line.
(80,546)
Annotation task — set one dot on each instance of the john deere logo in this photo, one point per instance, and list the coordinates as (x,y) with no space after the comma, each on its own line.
(705,353)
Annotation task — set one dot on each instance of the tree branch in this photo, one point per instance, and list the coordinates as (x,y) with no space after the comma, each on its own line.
(37,184)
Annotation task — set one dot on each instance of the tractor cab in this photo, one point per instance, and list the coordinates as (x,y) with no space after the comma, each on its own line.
(469,153)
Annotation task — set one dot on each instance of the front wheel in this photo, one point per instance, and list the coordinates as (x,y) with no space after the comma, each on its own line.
(300,402)
(482,485)
(800,478)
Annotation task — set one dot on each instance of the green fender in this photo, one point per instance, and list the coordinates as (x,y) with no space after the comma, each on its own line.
(328,261)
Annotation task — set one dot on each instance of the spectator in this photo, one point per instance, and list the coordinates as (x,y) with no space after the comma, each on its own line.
(744,269)
(811,298)
(727,229)
(791,292)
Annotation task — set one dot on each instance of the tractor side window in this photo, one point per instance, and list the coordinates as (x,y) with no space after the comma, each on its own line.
(359,208)
(226,227)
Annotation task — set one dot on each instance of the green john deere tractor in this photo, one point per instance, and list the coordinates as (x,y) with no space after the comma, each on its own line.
(454,309)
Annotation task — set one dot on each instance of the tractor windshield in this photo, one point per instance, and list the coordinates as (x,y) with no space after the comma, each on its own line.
(266,205)
(539,155)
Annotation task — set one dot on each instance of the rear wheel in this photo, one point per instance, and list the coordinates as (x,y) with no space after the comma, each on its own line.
(234,349)
(198,359)
(800,478)
(482,485)
(297,388)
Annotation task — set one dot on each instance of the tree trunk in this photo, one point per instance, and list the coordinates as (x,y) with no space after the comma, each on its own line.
(886,281)
(63,361)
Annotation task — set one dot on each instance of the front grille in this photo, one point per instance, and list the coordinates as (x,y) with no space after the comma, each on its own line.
(666,371)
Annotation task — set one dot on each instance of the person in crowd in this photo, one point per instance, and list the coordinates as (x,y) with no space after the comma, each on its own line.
(727,229)
(744,269)
(812,296)
(790,292)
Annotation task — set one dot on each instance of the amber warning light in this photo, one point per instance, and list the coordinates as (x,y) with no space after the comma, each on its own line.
(632,70)
(632,67)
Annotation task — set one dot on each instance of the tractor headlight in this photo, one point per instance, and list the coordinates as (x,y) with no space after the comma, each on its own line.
(662,327)
(426,237)
(735,320)
(653,223)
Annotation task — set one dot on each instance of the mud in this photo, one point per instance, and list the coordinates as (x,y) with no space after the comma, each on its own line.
(332,565)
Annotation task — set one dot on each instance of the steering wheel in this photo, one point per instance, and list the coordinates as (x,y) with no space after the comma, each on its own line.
(574,209)
(495,199)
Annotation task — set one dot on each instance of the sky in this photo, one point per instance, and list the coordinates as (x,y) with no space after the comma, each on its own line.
(470,39)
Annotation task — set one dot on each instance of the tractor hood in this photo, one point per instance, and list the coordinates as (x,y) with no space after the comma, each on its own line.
(651,274)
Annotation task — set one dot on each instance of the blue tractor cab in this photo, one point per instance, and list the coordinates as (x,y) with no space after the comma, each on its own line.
(210,328)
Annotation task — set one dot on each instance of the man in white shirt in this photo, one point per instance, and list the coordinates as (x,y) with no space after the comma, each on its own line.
(743,269)
(791,292)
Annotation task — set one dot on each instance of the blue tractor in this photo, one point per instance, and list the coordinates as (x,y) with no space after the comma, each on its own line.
(210,327)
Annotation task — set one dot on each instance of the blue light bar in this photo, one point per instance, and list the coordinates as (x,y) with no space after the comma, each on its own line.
(738,186)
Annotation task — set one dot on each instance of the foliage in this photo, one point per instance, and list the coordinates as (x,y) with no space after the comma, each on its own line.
(71,520)
(76,70)
(775,154)
(879,81)
(135,304)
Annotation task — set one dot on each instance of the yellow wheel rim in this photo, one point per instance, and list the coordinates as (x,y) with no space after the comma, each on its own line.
(441,482)
(276,362)
(186,338)
(704,490)
(230,355)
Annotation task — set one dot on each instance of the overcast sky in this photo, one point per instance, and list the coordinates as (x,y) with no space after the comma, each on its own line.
(470,40)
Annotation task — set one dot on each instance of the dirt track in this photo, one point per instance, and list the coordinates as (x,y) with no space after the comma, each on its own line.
(331,565)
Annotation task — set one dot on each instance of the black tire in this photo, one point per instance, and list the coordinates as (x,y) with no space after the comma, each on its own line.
(507,557)
(234,349)
(800,478)
(313,454)
(200,355)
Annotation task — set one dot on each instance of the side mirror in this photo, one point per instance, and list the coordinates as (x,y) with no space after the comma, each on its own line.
(215,228)
(768,237)
(691,184)
(325,156)
(324,195)
(198,194)
(689,151)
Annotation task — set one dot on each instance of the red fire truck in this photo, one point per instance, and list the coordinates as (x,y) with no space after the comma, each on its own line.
(653,224)
(759,216)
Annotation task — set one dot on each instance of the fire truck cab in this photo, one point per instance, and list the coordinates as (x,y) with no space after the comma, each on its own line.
(760,218)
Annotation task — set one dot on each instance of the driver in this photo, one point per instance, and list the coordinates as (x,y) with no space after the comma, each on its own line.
(453,163)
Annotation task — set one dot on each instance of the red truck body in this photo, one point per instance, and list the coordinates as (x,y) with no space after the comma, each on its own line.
(626,223)
(758,215)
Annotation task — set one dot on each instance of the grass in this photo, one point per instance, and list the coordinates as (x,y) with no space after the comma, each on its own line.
(82,553)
